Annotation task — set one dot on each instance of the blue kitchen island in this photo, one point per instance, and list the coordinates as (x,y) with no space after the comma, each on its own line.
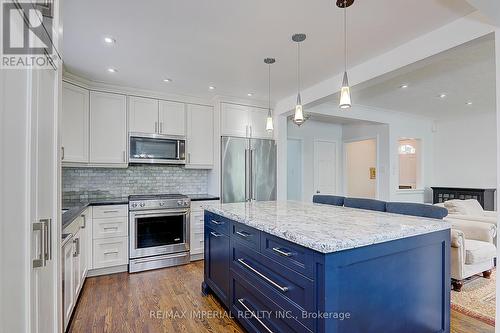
(303,267)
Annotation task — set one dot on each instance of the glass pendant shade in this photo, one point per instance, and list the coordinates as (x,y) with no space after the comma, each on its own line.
(269,123)
(298,118)
(345,94)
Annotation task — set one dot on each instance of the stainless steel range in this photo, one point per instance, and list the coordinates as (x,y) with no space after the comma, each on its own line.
(159,231)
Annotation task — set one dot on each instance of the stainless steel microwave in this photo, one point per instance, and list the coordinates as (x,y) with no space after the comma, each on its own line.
(156,149)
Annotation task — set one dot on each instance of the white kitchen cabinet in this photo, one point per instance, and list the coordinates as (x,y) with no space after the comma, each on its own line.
(108,129)
(200,137)
(143,115)
(87,242)
(67,282)
(197,234)
(244,121)
(109,252)
(75,124)
(77,264)
(172,118)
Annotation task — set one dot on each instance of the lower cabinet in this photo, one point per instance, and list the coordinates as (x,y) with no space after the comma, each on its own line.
(109,252)
(67,281)
(196,227)
(217,261)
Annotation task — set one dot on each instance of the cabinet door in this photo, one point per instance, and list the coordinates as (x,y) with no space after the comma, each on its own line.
(87,246)
(82,251)
(143,115)
(172,118)
(67,282)
(257,123)
(108,128)
(235,119)
(75,123)
(196,229)
(200,137)
(217,257)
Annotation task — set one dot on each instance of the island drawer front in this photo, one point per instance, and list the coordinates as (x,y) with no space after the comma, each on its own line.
(104,212)
(247,302)
(272,278)
(247,235)
(291,255)
(217,223)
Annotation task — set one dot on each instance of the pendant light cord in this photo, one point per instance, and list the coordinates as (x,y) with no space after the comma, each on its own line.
(345,35)
(298,67)
(269,89)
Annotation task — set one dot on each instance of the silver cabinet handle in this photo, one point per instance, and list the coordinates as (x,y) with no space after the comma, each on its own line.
(110,228)
(62,148)
(243,234)
(161,127)
(283,289)
(48,238)
(241,301)
(76,241)
(215,234)
(40,261)
(217,222)
(84,217)
(189,158)
(110,252)
(250,130)
(156,127)
(283,253)
(252,187)
(178,155)
(110,211)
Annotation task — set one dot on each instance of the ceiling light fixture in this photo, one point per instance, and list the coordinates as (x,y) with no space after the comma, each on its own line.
(109,40)
(269,120)
(469,103)
(298,117)
(112,70)
(167,80)
(211,88)
(404,86)
(249,94)
(442,96)
(345,90)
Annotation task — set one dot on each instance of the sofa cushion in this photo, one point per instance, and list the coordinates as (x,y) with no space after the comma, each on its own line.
(363,203)
(328,199)
(478,251)
(464,207)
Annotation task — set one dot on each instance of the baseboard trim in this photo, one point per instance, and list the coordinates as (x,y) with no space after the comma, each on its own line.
(107,270)
(197,256)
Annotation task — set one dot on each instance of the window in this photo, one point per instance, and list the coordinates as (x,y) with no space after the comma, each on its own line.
(409,163)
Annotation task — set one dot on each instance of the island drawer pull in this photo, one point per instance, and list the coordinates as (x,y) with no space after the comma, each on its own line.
(283,289)
(243,234)
(217,222)
(283,253)
(241,301)
(215,234)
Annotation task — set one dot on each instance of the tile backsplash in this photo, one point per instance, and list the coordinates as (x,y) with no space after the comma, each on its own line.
(88,183)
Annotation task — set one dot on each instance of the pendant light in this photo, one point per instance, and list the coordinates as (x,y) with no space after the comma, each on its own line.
(298,117)
(269,120)
(345,91)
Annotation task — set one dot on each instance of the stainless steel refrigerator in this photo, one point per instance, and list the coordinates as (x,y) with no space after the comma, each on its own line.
(248,169)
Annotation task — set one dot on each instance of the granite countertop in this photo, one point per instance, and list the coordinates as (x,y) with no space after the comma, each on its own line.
(326,228)
(76,207)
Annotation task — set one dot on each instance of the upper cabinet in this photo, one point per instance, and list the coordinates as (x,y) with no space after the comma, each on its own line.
(172,118)
(143,114)
(200,137)
(108,128)
(244,121)
(75,124)
(152,116)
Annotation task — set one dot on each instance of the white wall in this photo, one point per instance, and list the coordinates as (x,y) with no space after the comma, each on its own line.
(360,157)
(465,151)
(309,132)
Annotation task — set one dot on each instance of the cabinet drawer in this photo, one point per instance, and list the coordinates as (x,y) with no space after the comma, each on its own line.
(258,313)
(291,255)
(110,252)
(245,234)
(102,212)
(217,223)
(290,290)
(111,227)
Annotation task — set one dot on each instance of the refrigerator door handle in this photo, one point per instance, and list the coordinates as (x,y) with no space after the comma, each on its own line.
(252,185)
(247,175)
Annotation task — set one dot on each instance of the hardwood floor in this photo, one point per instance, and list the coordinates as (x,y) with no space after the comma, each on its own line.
(170,300)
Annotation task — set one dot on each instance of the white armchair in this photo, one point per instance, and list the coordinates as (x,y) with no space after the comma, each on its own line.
(473,239)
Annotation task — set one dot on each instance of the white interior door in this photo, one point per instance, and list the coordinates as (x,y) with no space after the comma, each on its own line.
(361,156)
(325,167)
(294,169)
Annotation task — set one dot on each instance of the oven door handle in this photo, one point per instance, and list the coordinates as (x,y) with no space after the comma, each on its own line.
(156,213)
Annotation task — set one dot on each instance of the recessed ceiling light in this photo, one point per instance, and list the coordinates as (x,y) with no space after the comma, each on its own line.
(403,86)
(249,94)
(469,103)
(109,40)
(112,70)
(442,96)
(167,80)
(211,87)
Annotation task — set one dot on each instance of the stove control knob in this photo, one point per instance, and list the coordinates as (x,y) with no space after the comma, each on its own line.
(162,203)
(186,203)
(142,204)
(134,205)
(179,203)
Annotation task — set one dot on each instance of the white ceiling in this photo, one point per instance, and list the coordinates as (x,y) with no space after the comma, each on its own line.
(464,74)
(223,43)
